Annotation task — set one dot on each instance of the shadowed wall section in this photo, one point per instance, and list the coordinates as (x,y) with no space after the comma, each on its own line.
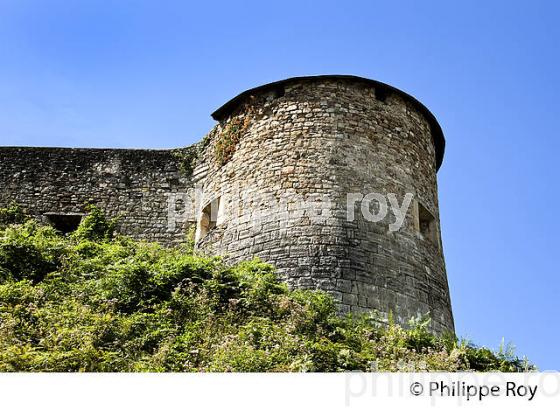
(50,183)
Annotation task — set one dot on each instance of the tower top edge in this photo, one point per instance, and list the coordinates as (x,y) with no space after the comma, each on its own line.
(437,133)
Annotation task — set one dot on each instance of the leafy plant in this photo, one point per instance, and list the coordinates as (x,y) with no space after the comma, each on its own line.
(95,226)
(13,214)
(187,158)
(95,302)
(230,135)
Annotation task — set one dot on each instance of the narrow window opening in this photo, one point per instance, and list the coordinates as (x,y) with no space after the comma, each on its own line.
(65,223)
(427,225)
(209,218)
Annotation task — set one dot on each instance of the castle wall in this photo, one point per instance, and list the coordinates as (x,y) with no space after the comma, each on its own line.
(133,184)
(272,180)
(323,140)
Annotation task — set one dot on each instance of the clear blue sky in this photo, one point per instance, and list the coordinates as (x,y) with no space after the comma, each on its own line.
(148,74)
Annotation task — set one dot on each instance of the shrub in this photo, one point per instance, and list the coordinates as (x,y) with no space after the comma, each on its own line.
(95,226)
(11,215)
(87,302)
(29,251)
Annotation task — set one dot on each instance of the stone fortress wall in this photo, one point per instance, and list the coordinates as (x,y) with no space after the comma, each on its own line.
(54,184)
(272,180)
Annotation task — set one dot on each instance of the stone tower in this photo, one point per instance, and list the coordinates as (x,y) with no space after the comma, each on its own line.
(276,177)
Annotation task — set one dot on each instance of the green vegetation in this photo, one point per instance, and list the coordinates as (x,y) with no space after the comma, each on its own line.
(229,137)
(90,301)
(11,215)
(187,158)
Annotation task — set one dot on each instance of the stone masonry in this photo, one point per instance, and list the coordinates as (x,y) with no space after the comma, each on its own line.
(271,180)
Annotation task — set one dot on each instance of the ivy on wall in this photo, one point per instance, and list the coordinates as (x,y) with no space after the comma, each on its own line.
(234,128)
(187,158)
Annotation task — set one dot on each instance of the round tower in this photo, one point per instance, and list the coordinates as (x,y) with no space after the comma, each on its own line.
(312,175)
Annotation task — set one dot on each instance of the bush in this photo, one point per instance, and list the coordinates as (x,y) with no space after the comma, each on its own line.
(29,251)
(95,226)
(11,215)
(92,302)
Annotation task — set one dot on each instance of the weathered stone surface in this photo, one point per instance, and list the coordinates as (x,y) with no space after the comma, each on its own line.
(333,137)
(132,184)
